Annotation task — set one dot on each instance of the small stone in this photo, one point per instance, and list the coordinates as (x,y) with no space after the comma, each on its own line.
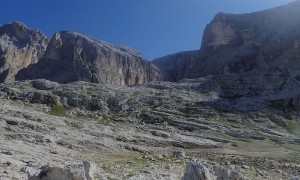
(245,167)
(150,158)
(8,152)
(295,178)
(168,166)
(160,156)
(54,152)
(232,166)
(12,122)
(227,163)
(24,169)
(259,173)
(278,171)
(179,154)
(147,172)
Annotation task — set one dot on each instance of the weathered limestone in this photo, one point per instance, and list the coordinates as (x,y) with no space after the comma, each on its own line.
(19,47)
(75,57)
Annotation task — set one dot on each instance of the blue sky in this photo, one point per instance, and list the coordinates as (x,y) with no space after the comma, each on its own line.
(153,27)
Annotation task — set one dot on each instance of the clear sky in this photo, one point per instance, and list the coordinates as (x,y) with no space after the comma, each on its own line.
(153,27)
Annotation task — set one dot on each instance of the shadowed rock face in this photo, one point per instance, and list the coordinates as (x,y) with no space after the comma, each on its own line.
(238,43)
(73,57)
(174,67)
(19,47)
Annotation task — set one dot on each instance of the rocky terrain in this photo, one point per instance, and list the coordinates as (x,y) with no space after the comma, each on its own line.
(75,57)
(234,43)
(69,57)
(143,131)
(19,47)
(86,109)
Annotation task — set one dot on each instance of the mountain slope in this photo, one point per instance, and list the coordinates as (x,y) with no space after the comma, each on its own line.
(238,43)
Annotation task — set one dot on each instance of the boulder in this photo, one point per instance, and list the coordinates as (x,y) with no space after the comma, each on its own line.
(83,171)
(202,171)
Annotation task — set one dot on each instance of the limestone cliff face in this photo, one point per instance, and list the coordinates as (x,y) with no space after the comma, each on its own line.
(19,47)
(174,66)
(75,57)
(235,43)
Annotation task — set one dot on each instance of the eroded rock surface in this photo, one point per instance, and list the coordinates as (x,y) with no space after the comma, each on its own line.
(75,57)
(19,47)
(235,43)
(200,171)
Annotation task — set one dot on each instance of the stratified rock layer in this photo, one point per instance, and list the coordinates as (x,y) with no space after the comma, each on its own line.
(238,43)
(73,57)
(19,47)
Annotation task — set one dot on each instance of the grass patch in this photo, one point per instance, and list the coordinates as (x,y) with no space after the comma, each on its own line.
(104,121)
(257,133)
(292,126)
(106,169)
(294,147)
(58,111)
(90,91)
(131,174)
(256,144)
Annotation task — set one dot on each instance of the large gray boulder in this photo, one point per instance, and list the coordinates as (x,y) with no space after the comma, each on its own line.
(83,171)
(73,57)
(201,171)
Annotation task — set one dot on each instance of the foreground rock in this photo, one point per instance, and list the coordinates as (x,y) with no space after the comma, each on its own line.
(75,57)
(19,47)
(83,171)
(200,171)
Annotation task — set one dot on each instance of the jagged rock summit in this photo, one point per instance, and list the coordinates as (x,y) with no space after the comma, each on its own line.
(68,57)
(19,47)
(72,57)
(235,43)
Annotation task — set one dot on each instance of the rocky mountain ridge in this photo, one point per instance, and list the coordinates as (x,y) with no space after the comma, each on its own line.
(19,47)
(73,57)
(242,125)
(69,57)
(234,43)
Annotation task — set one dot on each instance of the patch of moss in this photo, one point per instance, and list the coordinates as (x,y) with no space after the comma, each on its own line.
(294,147)
(131,174)
(292,126)
(90,91)
(58,111)
(257,133)
(106,169)
(256,144)
(104,121)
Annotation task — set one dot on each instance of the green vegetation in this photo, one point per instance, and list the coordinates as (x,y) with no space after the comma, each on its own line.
(131,174)
(104,121)
(58,111)
(256,144)
(106,169)
(257,133)
(294,147)
(90,91)
(292,126)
